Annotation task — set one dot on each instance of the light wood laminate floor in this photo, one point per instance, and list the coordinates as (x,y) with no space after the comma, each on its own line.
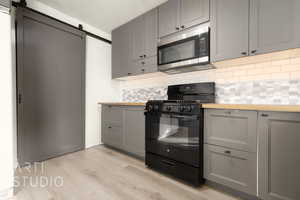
(100,173)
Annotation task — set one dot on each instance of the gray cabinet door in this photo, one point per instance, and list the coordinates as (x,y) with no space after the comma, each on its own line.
(121,51)
(151,33)
(112,126)
(274,25)
(235,169)
(169,18)
(134,130)
(138,38)
(193,12)
(229,29)
(5,3)
(279,160)
(231,128)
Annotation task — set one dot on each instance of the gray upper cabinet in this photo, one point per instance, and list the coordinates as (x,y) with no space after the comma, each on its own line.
(121,51)
(5,4)
(169,18)
(138,38)
(176,15)
(144,43)
(193,12)
(134,130)
(274,25)
(229,29)
(279,160)
(234,129)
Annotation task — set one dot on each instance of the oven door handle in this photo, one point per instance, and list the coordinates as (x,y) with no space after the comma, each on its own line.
(194,117)
(168,163)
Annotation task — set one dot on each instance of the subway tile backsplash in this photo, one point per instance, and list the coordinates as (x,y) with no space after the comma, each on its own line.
(281,92)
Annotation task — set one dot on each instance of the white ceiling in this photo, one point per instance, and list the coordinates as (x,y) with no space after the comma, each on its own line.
(103,14)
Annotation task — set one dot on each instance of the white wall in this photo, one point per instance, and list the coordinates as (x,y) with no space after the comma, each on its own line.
(99,86)
(6,107)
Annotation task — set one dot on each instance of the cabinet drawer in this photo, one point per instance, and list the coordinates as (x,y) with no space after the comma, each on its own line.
(112,135)
(235,169)
(112,114)
(231,128)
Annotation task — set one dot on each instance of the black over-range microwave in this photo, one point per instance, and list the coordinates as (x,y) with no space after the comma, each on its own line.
(185,51)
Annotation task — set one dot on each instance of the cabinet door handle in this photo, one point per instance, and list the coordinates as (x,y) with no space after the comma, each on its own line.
(145,56)
(227,152)
(254,51)
(182,26)
(228,112)
(141,56)
(129,73)
(264,115)
(244,53)
(177,28)
(143,70)
(109,127)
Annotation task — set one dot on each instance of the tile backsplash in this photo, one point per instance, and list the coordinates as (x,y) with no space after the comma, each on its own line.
(264,79)
(282,92)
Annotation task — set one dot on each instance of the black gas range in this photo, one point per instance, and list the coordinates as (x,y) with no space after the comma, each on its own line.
(174,131)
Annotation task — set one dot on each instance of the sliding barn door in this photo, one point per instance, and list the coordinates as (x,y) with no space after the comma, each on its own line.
(51,87)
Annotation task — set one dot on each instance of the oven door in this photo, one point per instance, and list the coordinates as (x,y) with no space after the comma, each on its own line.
(178,137)
(186,52)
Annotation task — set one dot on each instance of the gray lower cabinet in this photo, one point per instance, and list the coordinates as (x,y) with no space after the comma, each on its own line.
(134,130)
(274,25)
(112,126)
(229,29)
(279,156)
(123,127)
(232,168)
(231,128)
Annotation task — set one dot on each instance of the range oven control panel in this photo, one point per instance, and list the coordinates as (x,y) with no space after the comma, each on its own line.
(171,107)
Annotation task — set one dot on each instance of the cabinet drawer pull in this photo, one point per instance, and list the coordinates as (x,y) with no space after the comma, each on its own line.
(264,115)
(227,152)
(177,28)
(141,56)
(109,127)
(244,53)
(254,51)
(182,26)
(228,112)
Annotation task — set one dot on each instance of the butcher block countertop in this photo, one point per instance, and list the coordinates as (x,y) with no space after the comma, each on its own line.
(277,108)
(123,103)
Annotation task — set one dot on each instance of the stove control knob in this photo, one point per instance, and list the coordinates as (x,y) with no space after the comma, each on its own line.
(181,109)
(188,109)
(150,108)
(169,108)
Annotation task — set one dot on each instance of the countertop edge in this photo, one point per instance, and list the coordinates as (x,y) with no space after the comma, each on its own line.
(250,107)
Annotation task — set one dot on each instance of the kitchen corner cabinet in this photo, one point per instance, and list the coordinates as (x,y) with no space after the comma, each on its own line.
(274,25)
(176,15)
(279,156)
(123,128)
(134,46)
(229,29)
